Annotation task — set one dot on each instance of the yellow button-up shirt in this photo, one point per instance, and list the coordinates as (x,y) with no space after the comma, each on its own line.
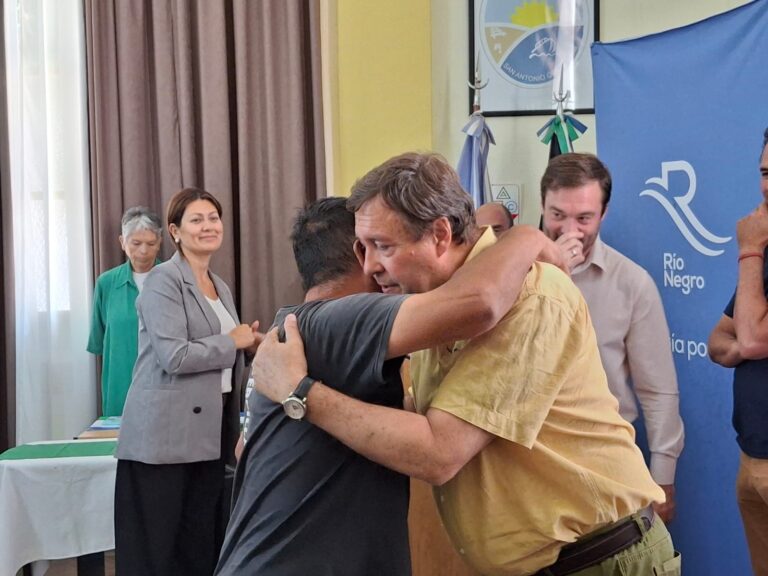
(564,462)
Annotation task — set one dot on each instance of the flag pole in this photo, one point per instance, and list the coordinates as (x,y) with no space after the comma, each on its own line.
(560,99)
(473,163)
(477,85)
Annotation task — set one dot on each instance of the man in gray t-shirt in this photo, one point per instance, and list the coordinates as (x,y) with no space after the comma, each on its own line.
(304,502)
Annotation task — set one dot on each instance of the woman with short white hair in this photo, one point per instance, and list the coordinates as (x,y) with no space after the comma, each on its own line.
(114,323)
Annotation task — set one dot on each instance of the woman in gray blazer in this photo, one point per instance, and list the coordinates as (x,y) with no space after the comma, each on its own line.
(182,414)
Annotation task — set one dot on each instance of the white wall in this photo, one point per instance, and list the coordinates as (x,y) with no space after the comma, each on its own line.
(519,157)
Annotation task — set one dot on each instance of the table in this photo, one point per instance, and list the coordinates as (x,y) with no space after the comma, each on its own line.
(56,501)
(93,434)
(104,427)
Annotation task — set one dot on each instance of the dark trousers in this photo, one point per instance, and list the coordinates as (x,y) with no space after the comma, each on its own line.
(168,518)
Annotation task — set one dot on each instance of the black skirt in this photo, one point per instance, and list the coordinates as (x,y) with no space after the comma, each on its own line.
(169,518)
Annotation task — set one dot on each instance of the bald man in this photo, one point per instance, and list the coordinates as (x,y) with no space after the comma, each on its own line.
(495,215)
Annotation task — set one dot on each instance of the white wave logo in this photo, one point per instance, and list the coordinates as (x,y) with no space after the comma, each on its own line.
(681,212)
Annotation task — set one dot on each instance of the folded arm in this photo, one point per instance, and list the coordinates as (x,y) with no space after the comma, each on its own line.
(750,315)
(723,346)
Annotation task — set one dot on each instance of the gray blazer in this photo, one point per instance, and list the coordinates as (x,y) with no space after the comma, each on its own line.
(173,412)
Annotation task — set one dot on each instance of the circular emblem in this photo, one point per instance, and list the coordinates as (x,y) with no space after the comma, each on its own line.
(520,37)
(512,206)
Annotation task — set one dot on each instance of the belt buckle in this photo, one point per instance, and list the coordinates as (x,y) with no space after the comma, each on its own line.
(590,552)
(647,515)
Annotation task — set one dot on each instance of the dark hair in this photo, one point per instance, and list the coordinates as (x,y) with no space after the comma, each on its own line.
(765,138)
(508,214)
(421,188)
(323,234)
(179,202)
(572,170)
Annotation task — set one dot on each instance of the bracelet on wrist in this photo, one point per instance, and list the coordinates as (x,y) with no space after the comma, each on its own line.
(750,255)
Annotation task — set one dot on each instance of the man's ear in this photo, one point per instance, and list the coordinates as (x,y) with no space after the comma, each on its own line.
(359,250)
(443,235)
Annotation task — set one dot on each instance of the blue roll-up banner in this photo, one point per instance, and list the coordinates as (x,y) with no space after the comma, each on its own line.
(680,118)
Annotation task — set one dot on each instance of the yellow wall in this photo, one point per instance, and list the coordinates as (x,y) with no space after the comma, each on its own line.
(384,84)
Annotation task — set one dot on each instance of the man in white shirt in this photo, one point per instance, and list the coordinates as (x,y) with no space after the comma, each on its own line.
(625,307)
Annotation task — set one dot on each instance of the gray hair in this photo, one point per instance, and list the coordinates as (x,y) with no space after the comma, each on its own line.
(141,218)
(420,187)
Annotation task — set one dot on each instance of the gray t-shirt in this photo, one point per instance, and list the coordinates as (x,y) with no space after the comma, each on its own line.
(305,503)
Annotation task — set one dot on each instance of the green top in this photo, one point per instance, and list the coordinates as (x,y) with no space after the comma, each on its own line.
(60,450)
(115,334)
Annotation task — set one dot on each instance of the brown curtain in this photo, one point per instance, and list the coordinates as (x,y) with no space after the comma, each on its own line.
(7,310)
(219,94)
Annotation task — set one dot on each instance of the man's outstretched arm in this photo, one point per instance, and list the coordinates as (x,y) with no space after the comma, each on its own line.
(432,447)
(476,297)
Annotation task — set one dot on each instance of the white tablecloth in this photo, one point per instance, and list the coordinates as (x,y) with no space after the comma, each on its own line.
(53,508)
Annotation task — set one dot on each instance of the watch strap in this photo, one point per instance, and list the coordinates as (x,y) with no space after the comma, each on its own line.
(302,390)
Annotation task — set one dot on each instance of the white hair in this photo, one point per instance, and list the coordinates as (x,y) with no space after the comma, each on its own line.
(140,218)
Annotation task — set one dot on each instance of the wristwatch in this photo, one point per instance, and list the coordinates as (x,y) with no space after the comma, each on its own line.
(295,405)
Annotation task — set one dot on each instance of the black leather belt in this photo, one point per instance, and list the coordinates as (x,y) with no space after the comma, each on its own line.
(591,550)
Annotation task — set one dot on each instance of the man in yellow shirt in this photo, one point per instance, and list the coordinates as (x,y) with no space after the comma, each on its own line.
(535,471)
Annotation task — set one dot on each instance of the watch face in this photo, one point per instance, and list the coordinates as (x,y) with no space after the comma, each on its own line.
(294,408)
